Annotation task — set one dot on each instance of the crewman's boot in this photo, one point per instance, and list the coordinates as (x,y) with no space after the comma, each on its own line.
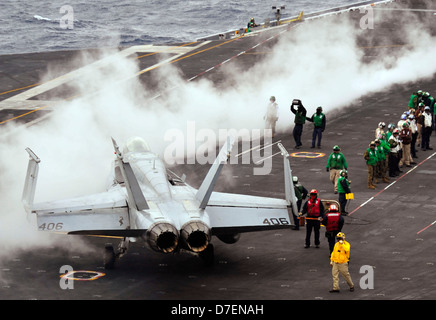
(386,180)
(371,186)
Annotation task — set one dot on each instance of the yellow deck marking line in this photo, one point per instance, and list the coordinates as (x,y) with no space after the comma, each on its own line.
(46,106)
(145,55)
(17,89)
(95,275)
(145,70)
(186,56)
(24,114)
(307,154)
(170,48)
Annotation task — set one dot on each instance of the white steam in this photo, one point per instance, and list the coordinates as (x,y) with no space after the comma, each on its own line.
(318,62)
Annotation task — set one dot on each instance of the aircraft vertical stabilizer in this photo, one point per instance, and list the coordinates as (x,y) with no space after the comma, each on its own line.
(206,188)
(136,198)
(289,190)
(31,178)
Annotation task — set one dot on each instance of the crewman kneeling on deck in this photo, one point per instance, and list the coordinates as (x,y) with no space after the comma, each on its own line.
(251,23)
(339,260)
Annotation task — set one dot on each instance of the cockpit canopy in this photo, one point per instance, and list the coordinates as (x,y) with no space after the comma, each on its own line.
(136,144)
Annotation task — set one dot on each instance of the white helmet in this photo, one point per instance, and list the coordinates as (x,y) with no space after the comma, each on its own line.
(381,125)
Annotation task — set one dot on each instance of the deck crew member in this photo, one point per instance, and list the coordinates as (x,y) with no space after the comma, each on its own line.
(333,222)
(371,161)
(300,119)
(343,189)
(301,194)
(339,260)
(251,23)
(406,139)
(426,129)
(394,154)
(335,163)
(315,213)
(271,115)
(319,122)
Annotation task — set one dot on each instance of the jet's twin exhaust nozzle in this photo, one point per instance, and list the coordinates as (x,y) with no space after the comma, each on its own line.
(196,235)
(163,237)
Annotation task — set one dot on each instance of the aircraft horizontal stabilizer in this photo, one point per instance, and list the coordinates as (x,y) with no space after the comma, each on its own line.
(237,213)
(92,219)
(225,220)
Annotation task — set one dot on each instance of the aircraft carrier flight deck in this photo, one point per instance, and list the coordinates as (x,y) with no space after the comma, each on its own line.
(390,228)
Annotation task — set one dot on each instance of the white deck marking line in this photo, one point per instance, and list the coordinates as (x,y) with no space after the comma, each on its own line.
(258,146)
(389,185)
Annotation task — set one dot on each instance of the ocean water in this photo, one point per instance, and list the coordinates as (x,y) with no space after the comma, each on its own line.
(38,26)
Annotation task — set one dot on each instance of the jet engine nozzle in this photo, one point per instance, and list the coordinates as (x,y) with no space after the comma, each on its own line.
(196,235)
(162,237)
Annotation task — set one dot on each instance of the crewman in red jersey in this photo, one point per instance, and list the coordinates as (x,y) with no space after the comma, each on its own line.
(315,213)
(333,222)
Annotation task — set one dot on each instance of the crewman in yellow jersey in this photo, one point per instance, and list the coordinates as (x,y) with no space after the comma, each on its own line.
(339,262)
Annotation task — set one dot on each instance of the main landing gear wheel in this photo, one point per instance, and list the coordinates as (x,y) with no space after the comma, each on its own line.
(109,257)
(208,255)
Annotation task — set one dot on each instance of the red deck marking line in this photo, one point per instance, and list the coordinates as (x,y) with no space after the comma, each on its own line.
(426,227)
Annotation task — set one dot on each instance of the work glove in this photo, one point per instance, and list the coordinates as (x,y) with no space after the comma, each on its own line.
(327,169)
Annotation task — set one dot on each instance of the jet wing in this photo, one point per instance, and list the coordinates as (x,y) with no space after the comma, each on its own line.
(236,213)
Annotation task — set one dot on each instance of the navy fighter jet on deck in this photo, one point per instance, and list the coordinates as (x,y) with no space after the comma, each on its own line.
(145,201)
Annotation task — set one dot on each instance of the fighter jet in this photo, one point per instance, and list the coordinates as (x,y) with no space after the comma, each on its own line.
(147,201)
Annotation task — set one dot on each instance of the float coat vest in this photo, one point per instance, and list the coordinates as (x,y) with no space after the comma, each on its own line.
(313,210)
(332,221)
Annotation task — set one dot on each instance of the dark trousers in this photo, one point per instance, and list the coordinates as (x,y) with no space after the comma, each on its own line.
(426,132)
(317,132)
(296,220)
(297,132)
(413,143)
(393,164)
(315,225)
(331,238)
(342,201)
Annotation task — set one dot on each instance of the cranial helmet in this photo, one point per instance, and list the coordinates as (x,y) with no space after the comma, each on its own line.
(333,208)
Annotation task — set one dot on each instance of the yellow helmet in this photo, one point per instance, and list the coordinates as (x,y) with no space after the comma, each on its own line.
(340,235)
